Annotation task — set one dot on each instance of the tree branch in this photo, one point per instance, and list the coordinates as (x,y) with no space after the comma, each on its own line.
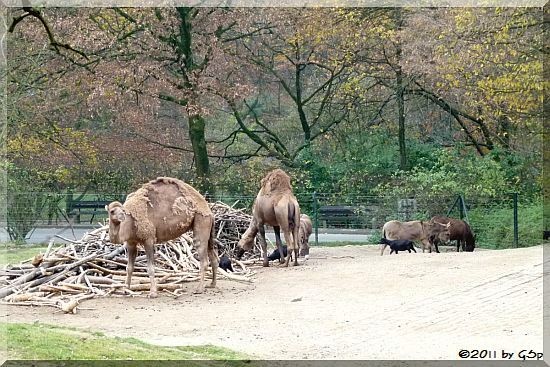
(53,42)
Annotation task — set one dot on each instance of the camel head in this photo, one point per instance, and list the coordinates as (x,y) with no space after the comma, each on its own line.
(117,215)
(245,244)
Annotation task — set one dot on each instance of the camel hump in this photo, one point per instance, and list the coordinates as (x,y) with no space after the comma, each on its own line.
(275,181)
(188,200)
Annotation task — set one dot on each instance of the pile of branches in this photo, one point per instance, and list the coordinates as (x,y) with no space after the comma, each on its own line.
(94,267)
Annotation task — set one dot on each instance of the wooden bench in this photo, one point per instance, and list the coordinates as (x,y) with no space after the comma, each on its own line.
(87,207)
(339,216)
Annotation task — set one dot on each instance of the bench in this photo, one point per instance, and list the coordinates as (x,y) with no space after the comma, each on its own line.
(87,207)
(339,216)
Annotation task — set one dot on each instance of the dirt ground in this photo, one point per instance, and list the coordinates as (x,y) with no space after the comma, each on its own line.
(343,303)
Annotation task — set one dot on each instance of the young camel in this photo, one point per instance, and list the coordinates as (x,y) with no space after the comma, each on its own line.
(162,210)
(276,206)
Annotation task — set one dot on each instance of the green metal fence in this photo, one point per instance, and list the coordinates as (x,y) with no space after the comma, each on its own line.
(498,222)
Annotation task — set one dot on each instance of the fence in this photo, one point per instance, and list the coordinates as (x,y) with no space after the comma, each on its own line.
(506,221)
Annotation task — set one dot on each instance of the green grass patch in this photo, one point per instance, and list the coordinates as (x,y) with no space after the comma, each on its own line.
(47,342)
(14,254)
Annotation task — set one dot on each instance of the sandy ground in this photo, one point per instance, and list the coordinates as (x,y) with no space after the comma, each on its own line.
(343,303)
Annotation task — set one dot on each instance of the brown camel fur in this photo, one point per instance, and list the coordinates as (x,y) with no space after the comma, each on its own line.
(306,227)
(275,206)
(162,210)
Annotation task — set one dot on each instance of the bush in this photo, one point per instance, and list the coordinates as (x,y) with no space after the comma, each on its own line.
(449,175)
(494,227)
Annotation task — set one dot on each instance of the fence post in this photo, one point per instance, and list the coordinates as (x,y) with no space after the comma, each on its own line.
(516,234)
(456,202)
(463,209)
(316,218)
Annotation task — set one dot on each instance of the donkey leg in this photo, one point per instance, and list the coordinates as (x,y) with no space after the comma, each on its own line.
(426,244)
(150,252)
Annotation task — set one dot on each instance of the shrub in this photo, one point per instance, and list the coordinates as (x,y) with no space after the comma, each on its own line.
(494,227)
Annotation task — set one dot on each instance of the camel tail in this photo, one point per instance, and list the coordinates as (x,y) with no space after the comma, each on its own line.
(291,216)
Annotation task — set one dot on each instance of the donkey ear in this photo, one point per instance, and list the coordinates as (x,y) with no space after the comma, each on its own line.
(107,208)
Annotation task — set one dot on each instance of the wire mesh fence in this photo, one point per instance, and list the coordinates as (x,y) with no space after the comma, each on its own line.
(505,221)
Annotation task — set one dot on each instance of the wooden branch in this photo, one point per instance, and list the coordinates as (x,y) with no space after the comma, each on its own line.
(64,278)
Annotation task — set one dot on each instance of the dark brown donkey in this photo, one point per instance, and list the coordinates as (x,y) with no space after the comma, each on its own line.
(460,231)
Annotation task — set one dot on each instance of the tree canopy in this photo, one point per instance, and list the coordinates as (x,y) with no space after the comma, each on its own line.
(106,98)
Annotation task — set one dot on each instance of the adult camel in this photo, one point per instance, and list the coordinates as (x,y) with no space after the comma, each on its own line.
(275,206)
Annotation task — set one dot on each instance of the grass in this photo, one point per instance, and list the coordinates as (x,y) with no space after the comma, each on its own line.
(47,342)
(13,254)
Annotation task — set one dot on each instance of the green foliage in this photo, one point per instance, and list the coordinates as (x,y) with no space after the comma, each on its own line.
(27,201)
(349,163)
(493,226)
(523,171)
(449,175)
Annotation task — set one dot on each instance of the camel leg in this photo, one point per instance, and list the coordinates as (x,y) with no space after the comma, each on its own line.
(212,255)
(150,252)
(383,247)
(263,243)
(289,246)
(296,239)
(201,235)
(214,262)
(279,243)
(202,251)
(282,219)
(132,252)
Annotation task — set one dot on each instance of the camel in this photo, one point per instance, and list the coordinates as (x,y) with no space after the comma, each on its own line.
(306,227)
(275,206)
(162,210)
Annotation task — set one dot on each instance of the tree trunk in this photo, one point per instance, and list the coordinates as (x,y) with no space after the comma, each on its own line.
(300,105)
(197,124)
(403,162)
(198,143)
